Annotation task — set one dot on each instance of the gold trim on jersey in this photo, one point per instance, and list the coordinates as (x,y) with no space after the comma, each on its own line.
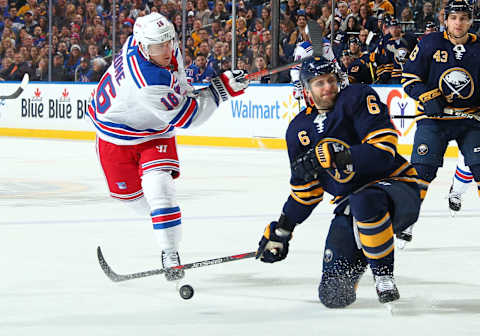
(300,193)
(408,78)
(429,95)
(309,202)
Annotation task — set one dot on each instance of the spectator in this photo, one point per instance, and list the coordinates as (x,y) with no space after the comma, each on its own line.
(97,70)
(219,13)
(59,73)
(82,70)
(201,72)
(41,72)
(203,13)
(16,70)
(427,15)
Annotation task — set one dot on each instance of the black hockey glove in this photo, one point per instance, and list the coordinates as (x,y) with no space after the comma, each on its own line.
(273,246)
(434,107)
(306,166)
(326,155)
(334,155)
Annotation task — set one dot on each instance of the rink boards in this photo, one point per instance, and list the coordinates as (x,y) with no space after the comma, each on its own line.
(257,119)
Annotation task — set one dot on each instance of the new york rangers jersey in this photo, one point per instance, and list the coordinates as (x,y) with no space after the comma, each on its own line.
(137,101)
(359,121)
(438,67)
(304,50)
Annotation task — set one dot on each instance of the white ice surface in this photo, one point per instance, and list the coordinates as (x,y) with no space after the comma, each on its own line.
(55,210)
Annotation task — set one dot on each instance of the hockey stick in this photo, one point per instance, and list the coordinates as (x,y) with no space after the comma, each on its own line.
(316,37)
(446,111)
(20,89)
(115,277)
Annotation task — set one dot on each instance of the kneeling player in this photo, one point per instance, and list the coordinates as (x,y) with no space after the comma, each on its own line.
(344,143)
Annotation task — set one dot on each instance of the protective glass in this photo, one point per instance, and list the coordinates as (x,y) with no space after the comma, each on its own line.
(160,49)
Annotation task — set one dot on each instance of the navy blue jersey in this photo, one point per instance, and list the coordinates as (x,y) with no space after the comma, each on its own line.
(436,67)
(361,70)
(359,121)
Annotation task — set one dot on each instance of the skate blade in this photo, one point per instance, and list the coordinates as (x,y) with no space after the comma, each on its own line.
(453,213)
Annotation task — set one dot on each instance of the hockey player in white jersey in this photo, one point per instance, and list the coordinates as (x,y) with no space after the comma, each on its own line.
(304,50)
(138,103)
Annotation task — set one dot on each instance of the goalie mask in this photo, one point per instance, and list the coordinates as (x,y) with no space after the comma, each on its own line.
(151,31)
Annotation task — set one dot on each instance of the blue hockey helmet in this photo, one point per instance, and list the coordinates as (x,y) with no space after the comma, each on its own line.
(455,6)
(315,67)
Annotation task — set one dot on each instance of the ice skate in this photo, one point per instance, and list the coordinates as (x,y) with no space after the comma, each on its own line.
(170,258)
(404,237)
(386,289)
(454,201)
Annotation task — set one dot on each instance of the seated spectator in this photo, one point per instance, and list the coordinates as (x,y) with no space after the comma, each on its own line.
(16,70)
(59,73)
(201,72)
(97,70)
(82,70)
(427,15)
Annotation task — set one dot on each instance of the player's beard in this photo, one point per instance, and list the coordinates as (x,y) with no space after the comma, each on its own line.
(324,103)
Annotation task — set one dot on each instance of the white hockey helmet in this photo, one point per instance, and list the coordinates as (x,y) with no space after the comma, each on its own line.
(151,29)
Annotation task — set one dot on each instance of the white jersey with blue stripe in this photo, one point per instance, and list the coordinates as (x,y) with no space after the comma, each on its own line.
(137,101)
(303,50)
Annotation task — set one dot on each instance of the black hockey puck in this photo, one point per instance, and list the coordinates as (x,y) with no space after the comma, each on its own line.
(186,292)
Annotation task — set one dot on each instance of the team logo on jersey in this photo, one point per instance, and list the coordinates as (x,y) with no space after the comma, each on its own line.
(401,56)
(456,83)
(122,185)
(341,176)
(327,255)
(422,149)
(319,121)
(459,49)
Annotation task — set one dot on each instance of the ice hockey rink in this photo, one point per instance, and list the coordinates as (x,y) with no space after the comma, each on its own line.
(55,211)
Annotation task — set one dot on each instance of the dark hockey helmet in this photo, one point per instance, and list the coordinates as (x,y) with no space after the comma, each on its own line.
(391,21)
(312,68)
(455,6)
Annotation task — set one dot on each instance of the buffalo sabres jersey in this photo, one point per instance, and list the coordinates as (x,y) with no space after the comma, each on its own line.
(436,67)
(137,101)
(363,126)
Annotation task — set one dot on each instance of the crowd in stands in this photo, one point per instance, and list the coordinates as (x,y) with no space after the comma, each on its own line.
(82,32)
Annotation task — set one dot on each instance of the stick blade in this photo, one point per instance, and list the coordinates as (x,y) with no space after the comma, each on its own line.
(106,268)
(316,36)
(25,80)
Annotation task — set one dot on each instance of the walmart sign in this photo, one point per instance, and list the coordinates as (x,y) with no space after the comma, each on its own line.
(243,109)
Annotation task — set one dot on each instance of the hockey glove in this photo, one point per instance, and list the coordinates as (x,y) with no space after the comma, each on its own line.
(326,155)
(434,107)
(297,90)
(334,155)
(306,166)
(228,84)
(273,246)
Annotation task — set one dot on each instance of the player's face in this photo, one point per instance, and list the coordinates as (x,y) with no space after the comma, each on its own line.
(458,24)
(323,91)
(161,53)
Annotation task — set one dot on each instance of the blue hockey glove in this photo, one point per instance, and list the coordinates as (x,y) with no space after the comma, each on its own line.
(306,166)
(273,246)
(434,107)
